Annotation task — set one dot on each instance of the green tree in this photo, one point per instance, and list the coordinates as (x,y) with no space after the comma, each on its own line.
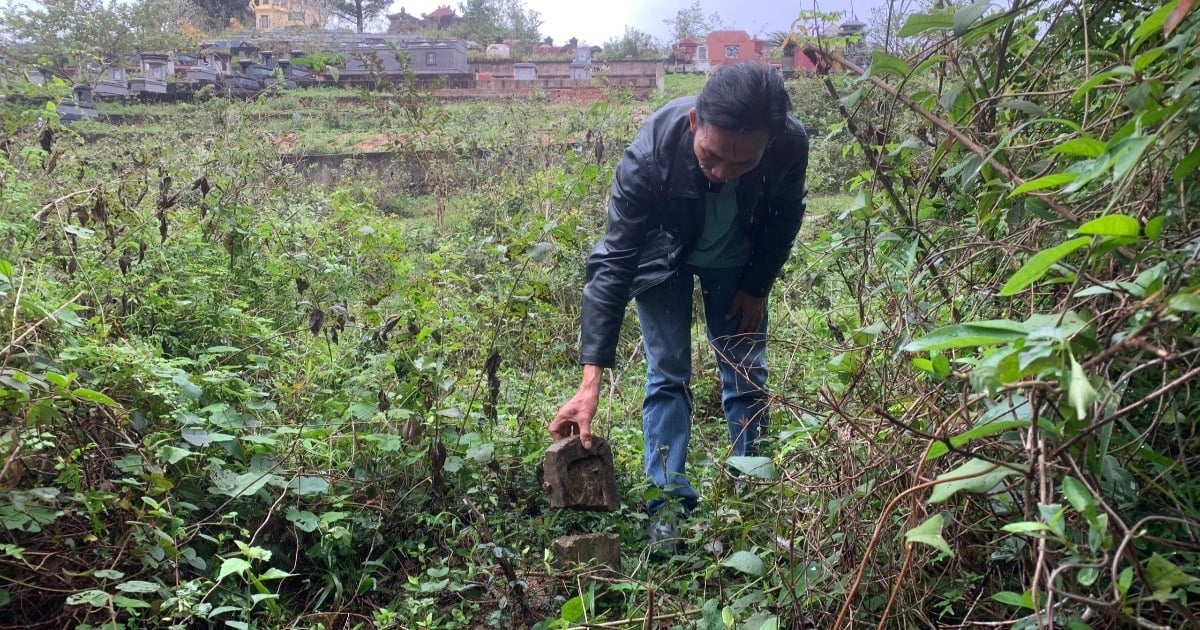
(88,33)
(633,44)
(359,12)
(692,22)
(486,21)
(216,14)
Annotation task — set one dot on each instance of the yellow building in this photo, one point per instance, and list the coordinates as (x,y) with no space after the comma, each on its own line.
(273,15)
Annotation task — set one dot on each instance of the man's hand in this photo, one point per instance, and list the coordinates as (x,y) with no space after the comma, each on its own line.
(752,309)
(575,417)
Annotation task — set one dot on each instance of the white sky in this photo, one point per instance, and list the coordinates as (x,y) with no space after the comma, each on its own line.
(595,22)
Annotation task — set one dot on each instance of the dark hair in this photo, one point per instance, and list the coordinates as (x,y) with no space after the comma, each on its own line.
(744,97)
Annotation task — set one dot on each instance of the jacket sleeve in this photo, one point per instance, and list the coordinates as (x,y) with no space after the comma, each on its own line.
(613,263)
(777,219)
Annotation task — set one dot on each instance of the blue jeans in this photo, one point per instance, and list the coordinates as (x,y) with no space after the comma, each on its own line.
(665,314)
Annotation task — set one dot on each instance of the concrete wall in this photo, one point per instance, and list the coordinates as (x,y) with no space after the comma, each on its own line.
(633,73)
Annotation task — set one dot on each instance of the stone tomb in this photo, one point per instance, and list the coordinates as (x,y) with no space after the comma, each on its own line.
(583,479)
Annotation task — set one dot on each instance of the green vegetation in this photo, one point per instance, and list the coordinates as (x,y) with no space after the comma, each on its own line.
(237,392)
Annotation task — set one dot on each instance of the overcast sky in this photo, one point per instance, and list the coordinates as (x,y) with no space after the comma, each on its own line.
(596,22)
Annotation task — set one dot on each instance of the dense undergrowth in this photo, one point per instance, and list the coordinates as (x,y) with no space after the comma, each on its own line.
(230,396)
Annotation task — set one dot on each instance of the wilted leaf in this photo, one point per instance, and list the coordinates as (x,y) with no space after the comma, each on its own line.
(316,317)
(1176,17)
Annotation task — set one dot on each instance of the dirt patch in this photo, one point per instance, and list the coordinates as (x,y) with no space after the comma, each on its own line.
(286,142)
(369,144)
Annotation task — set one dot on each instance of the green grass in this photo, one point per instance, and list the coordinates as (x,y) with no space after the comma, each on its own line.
(683,84)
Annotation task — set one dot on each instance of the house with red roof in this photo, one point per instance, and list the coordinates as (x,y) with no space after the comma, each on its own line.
(726,48)
(683,55)
(440,18)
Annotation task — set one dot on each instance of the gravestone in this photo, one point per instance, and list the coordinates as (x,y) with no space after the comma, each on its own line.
(600,549)
(579,478)
(583,479)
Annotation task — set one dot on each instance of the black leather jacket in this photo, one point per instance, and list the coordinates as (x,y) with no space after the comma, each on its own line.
(656,214)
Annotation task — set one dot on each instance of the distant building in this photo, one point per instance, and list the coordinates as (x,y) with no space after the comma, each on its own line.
(581,63)
(499,50)
(725,48)
(525,72)
(155,68)
(440,18)
(854,48)
(403,22)
(274,15)
(79,106)
(426,57)
(683,55)
(113,82)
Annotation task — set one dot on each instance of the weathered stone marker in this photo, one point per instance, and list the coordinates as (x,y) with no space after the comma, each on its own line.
(602,549)
(579,478)
(583,479)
